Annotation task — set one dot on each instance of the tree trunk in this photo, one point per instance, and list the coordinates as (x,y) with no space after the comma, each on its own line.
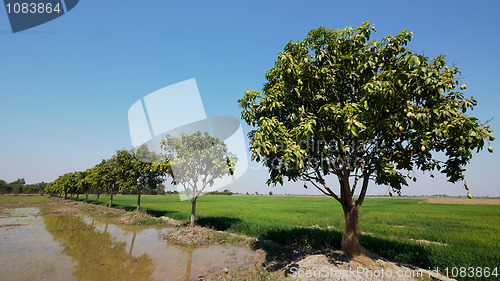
(86,198)
(77,195)
(350,240)
(193,211)
(111,200)
(97,202)
(139,201)
(65,195)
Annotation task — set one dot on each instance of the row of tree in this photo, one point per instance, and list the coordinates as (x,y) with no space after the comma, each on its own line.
(128,171)
(19,186)
(197,159)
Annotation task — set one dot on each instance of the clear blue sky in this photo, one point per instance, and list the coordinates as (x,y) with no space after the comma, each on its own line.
(66,86)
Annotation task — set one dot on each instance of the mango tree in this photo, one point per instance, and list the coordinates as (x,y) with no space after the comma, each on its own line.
(67,184)
(117,173)
(52,188)
(195,162)
(83,184)
(96,179)
(79,186)
(340,104)
(145,174)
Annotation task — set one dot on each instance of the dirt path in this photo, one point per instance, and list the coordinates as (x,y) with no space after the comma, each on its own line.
(116,216)
(62,207)
(465,201)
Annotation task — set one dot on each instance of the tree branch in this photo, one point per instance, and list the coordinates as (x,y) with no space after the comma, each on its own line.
(325,186)
(361,198)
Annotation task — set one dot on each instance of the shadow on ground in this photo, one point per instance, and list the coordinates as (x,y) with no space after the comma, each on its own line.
(287,247)
(161,213)
(218,222)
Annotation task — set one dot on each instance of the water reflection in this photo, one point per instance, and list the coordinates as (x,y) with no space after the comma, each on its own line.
(34,247)
(27,251)
(96,253)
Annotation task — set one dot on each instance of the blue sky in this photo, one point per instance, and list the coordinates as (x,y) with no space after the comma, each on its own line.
(66,86)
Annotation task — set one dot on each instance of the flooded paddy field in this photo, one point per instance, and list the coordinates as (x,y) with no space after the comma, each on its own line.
(36,245)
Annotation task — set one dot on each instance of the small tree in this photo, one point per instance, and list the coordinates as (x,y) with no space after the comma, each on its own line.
(4,187)
(196,161)
(96,177)
(339,104)
(79,184)
(51,189)
(83,184)
(117,173)
(145,174)
(67,184)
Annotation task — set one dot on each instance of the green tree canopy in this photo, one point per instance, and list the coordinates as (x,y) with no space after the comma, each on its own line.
(118,173)
(96,178)
(196,161)
(82,183)
(4,187)
(338,103)
(64,184)
(141,171)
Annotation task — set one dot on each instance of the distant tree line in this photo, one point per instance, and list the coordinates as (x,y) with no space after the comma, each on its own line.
(19,186)
(224,192)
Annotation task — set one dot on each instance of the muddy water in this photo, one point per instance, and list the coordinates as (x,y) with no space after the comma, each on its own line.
(36,247)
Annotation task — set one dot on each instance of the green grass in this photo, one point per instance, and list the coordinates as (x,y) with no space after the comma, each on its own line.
(22,199)
(471,232)
(149,221)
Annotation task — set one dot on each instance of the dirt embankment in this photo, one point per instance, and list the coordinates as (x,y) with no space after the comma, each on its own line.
(464,201)
(334,265)
(197,236)
(61,207)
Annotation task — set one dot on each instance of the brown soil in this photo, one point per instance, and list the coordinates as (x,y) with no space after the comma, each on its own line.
(129,218)
(190,236)
(11,225)
(26,205)
(466,201)
(294,262)
(197,235)
(170,221)
(61,207)
(335,265)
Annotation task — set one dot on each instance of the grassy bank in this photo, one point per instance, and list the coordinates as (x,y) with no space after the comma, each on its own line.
(425,235)
(6,200)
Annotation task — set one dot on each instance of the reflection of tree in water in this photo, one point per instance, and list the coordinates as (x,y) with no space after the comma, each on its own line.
(96,254)
(187,276)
